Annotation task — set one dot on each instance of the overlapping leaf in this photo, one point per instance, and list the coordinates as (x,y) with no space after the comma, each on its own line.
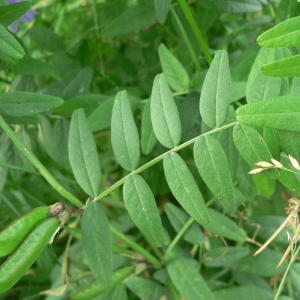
(83,154)
(96,243)
(164,113)
(141,206)
(186,277)
(124,134)
(285,34)
(148,137)
(259,86)
(18,104)
(184,187)
(215,94)
(161,9)
(283,68)
(279,112)
(174,71)
(223,226)
(252,147)
(12,12)
(213,167)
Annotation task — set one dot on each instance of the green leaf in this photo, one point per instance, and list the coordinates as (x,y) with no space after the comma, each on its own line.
(223,226)
(149,139)
(226,141)
(253,148)
(285,34)
(100,118)
(186,277)
(283,68)
(164,113)
(243,292)
(19,104)
(263,264)
(174,71)
(224,256)
(213,167)
(10,49)
(178,218)
(133,19)
(89,103)
(279,112)
(124,133)
(96,241)
(30,66)
(95,289)
(83,155)
(264,185)
(146,289)
(162,8)
(289,142)
(141,206)
(77,84)
(12,12)
(259,86)
(184,187)
(46,39)
(215,95)
(238,6)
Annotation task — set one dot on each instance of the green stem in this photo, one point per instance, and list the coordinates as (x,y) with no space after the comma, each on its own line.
(179,235)
(34,160)
(172,289)
(157,159)
(186,40)
(136,247)
(195,30)
(282,282)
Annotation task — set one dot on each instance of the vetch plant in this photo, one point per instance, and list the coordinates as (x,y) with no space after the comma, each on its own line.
(155,127)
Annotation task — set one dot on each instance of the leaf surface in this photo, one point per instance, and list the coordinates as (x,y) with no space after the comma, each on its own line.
(216,91)
(164,113)
(141,206)
(83,154)
(174,71)
(184,187)
(285,34)
(213,167)
(19,104)
(124,133)
(96,241)
(279,113)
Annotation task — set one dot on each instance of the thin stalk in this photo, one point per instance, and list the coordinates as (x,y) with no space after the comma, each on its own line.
(172,289)
(159,158)
(195,30)
(282,282)
(179,235)
(40,167)
(136,247)
(186,40)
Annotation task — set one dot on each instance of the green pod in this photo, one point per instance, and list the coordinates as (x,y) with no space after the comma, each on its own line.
(12,236)
(23,258)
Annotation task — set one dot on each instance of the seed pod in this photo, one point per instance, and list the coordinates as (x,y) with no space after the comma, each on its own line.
(13,235)
(26,254)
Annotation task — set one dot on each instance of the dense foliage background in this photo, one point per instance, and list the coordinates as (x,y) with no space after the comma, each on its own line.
(100,61)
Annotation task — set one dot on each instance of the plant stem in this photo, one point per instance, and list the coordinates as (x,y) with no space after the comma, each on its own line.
(179,235)
(186,40)
(41,168)
(172,289)
(195,30)
(136,247)
(285,274)
(159,158)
